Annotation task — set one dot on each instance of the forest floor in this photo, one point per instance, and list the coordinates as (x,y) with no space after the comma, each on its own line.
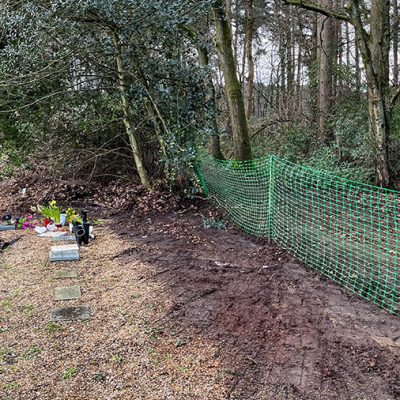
(184,312)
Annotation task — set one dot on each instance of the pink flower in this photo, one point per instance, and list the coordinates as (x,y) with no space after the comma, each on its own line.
(26,225)
(29,217)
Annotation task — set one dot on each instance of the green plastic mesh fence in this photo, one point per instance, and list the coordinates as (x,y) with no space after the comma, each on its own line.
(346,230)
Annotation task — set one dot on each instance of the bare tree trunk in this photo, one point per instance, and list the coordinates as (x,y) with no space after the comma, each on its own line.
(249,53)
(337,56)
(395,35)
(325,33)
(229,12)
(357,62)
(242,149)
(133,140)
(289,64)
(348,50)
(299,88)
(282,77)
(374,48)
(314,73)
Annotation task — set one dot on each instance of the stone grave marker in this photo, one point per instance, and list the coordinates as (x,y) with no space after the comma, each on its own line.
(65,274)
(51,234)
(70,314)
(66,252)
(7,227)
(64,238)
(67,293)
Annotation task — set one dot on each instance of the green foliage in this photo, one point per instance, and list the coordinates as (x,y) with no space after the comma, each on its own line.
(62,95)
(326,159)
(350,155)
(350,125)
(395,141)
(293,141)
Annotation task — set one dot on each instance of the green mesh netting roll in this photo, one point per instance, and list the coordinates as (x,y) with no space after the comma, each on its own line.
(346,230)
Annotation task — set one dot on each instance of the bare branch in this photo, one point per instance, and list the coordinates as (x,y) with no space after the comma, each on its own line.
(311,6)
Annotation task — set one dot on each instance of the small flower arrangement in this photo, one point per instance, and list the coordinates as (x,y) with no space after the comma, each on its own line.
(73,217)
(24,222)
(51,211)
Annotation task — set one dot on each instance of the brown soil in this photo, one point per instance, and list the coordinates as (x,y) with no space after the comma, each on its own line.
(282,331)
(184,312)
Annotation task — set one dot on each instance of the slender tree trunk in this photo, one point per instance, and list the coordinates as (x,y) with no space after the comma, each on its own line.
(242,149)
(337,56)
(215,140)
(395,34)
(133,140)
(348,44)
(313,68)
(325,34)
(159,134)
(348,50)
(282,83)
(229,12)
(357,62)
(299,80)
(249,53)
(289,65)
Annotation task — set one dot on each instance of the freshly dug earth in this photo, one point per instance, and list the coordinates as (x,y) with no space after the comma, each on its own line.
(185,312)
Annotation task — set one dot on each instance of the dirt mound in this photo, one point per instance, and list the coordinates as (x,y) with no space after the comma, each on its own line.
(30,188)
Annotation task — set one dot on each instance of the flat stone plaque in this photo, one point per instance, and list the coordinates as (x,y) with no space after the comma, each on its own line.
(67,293)
(70,314)
(64,238)
(66,252)
(65,274)
(7,227)
(51,234)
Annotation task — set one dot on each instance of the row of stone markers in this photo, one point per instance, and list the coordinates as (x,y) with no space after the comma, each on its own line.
(67,253)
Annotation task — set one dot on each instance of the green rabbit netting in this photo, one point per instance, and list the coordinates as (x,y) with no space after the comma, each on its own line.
(346,230)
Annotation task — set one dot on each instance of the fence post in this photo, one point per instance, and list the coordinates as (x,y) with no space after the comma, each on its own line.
(200,177)
(271,198)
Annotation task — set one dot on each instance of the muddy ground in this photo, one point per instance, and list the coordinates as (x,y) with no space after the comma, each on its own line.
(185,312)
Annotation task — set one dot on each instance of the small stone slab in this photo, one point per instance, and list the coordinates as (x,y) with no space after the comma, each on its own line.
(64,238)
(7,227)
(66,252)
(51,234)
(70,314)
(66,274)
(67,293)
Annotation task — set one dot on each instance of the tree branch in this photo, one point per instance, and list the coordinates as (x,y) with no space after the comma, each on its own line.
(311,6)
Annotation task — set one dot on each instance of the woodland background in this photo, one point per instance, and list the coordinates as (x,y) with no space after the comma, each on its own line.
(124,89)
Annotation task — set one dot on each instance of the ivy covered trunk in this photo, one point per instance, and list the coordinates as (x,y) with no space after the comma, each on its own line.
(242,149)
